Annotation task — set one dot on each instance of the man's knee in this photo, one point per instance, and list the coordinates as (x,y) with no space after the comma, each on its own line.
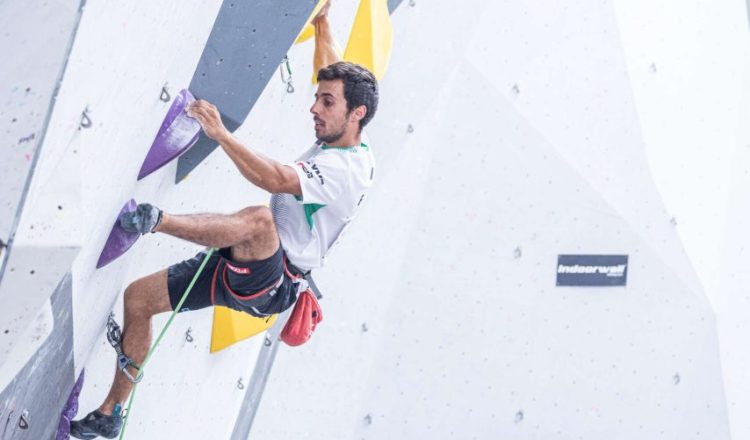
(147,296)
(135,301)
(260,220)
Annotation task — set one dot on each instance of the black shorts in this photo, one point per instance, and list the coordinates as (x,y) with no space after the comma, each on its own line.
(260,288)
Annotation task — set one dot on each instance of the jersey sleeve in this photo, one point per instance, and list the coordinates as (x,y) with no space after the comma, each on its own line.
(321,178)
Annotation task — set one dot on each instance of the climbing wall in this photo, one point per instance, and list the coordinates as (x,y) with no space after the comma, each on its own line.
(127,61)
(521,140)
(508,133)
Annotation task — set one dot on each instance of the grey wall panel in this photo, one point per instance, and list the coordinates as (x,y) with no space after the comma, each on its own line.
(35,41)
(246,45)
(41,388)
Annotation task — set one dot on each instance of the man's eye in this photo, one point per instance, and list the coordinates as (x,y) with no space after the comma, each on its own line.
(327,103)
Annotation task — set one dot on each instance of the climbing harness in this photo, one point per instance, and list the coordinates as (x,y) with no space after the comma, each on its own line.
(114,336)
(286,79)
(161,335)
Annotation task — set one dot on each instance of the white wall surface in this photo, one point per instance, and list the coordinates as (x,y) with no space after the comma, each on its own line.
(539,129)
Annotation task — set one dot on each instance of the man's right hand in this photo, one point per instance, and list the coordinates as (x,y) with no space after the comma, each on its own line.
(210,119)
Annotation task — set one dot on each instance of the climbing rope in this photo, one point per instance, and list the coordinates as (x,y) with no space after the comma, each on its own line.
(161,335)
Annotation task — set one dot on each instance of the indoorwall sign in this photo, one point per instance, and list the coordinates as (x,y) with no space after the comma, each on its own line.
(592,270)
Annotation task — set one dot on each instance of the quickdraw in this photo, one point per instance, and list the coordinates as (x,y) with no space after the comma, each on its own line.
(114,336)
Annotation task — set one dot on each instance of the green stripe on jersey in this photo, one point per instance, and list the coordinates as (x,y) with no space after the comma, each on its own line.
(310,209)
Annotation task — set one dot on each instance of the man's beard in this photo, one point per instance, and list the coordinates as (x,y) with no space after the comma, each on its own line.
(331,138)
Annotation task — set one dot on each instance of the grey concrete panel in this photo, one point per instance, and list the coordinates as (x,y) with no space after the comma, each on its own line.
(243,52)
(393,4)
(43,385)
(261,372)
(36,38)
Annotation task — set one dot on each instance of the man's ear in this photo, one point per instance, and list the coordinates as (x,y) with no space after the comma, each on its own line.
(358,113)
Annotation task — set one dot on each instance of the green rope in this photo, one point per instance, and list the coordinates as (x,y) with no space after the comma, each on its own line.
(161,335)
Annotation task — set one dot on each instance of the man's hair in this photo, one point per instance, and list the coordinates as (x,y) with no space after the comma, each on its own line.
(360,87)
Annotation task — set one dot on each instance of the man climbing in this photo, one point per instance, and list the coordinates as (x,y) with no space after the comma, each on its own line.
(261,249)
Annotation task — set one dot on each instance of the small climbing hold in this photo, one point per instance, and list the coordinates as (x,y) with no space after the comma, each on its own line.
(412,3)
(517,253)
(240,385)
(519,416)
(516,89)
(673,221)
(368,419)
(364,327)
(188,335)
(410,129)
(676,378)
(267,341)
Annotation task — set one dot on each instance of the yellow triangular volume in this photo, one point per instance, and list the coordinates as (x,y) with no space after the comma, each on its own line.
(371,38)
(231,326)
(309,30)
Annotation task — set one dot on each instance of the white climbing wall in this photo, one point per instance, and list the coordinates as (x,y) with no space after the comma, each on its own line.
(534,137)
(508,133)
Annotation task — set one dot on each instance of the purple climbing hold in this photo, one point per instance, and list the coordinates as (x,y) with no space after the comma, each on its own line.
(119,240)
(178,132)
(70,410)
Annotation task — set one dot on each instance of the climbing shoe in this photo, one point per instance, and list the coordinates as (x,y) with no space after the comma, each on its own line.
(97,424)
(144,219)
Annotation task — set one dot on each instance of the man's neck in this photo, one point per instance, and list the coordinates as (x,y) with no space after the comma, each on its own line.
(346,141)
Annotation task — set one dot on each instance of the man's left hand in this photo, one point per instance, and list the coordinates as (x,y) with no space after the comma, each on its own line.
(210,119)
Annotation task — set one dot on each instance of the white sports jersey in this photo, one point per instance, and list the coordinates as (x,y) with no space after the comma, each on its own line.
(333,182)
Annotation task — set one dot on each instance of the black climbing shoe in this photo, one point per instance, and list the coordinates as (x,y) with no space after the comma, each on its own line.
(144,219)
(97,424)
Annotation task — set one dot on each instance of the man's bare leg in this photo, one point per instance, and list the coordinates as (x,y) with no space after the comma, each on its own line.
(251,232)
(143,299)
(251,235)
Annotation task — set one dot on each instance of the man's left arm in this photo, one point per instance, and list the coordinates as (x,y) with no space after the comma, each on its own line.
(262,171)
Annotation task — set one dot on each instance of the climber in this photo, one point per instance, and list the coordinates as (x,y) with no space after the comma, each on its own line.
(261,249)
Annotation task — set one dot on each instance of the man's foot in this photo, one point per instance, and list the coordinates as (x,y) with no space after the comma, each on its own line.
(98,424)
(144,219)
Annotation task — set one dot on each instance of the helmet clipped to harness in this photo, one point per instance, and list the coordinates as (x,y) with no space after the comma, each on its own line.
(301,324)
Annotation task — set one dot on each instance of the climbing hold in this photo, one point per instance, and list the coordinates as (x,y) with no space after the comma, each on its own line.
(189,335)
(371,38)
(119,240)
(519,417)
(308,30)
(178,132)
(410,129)
(240,385)
(70,410)
(231,326)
